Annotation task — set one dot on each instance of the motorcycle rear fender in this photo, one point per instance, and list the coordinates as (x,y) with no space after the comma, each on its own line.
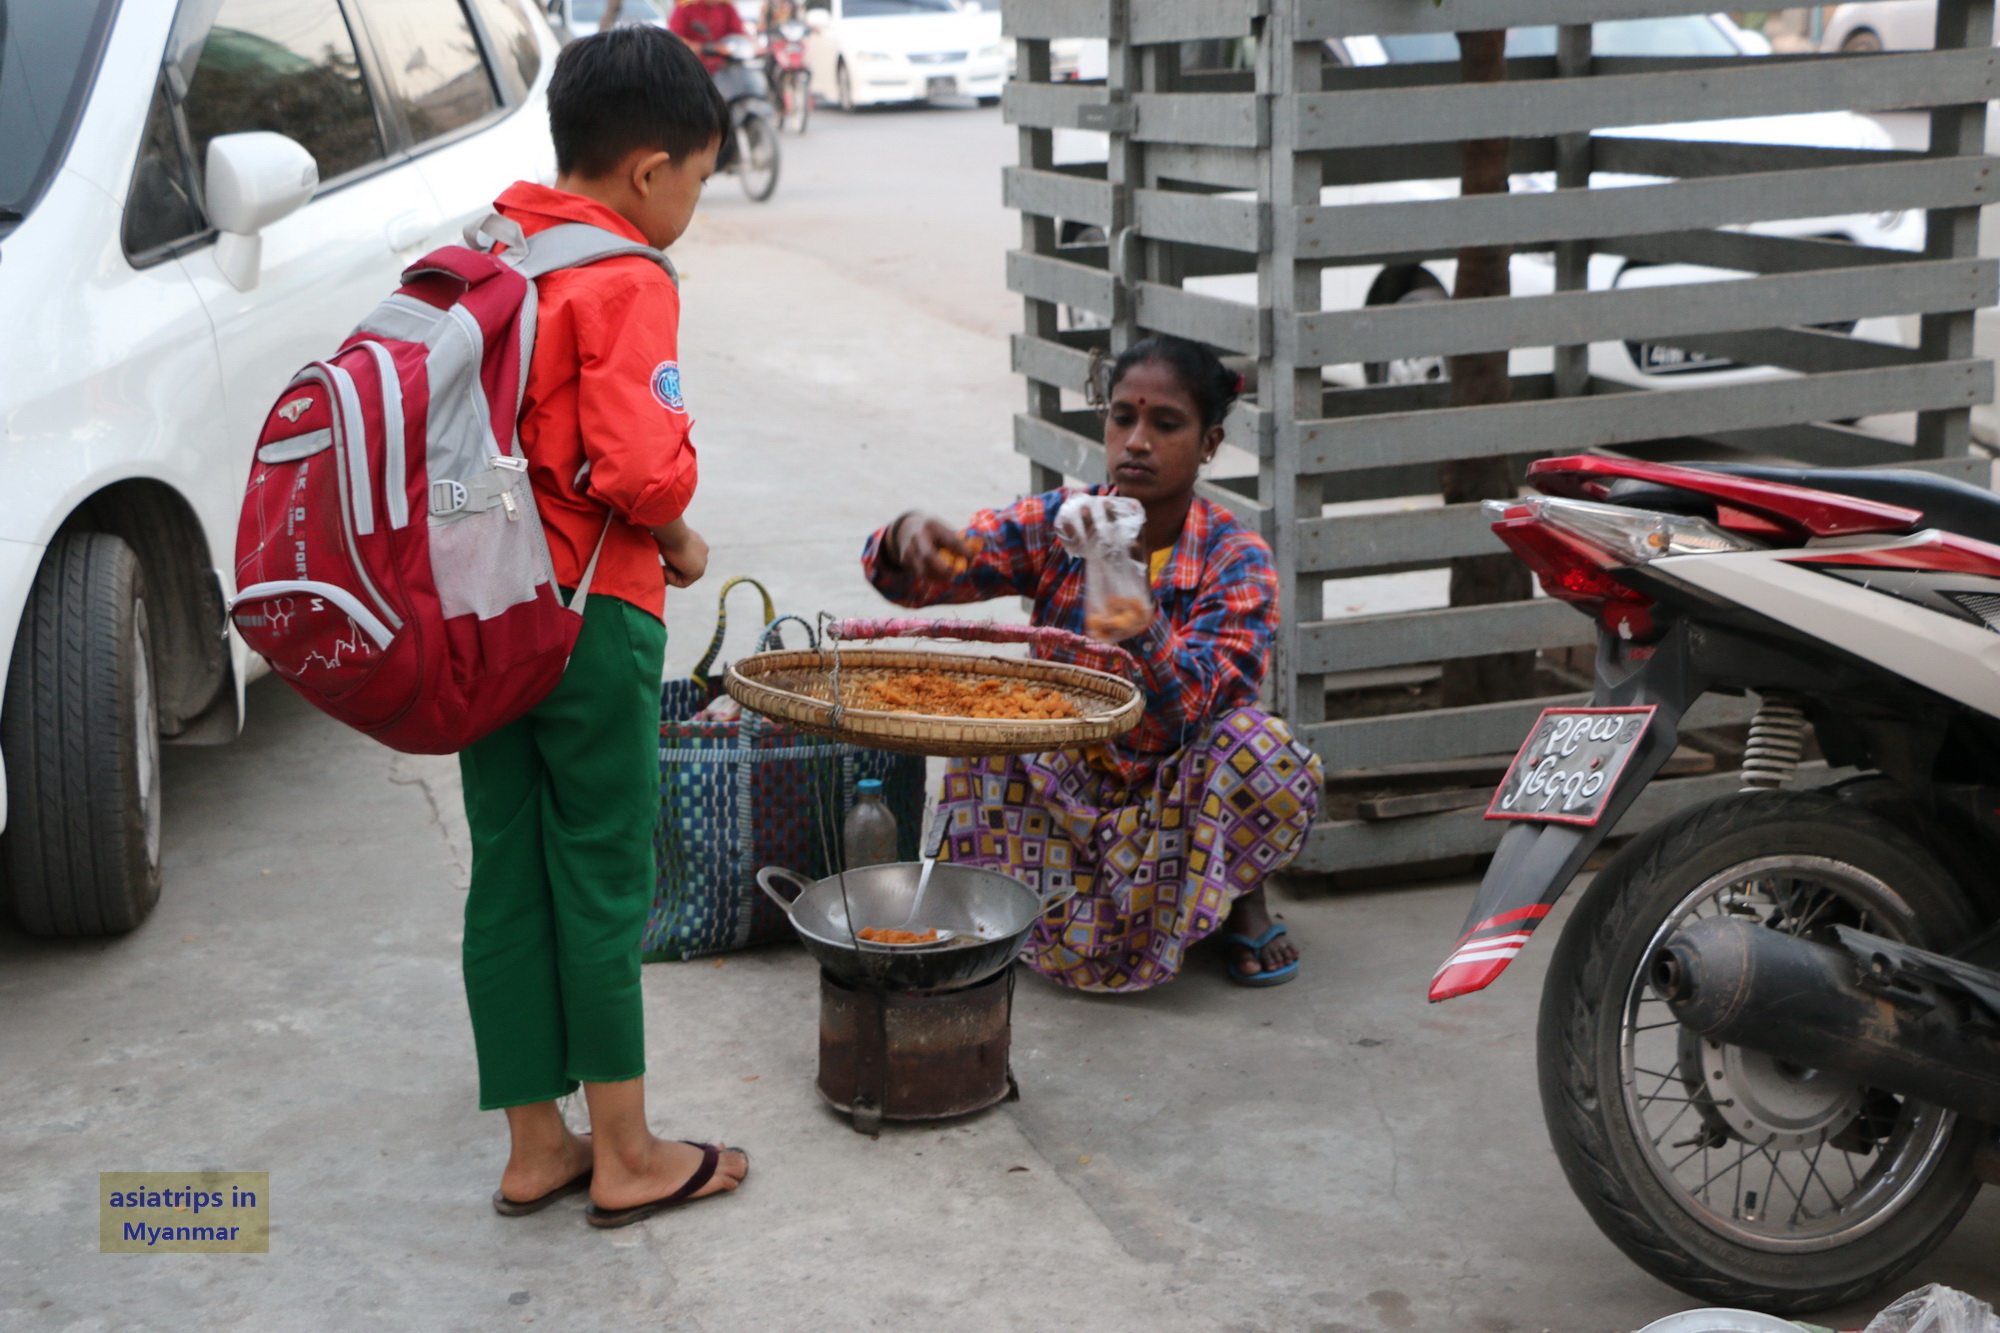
(1536,862)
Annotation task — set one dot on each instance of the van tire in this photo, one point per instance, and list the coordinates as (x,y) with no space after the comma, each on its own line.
(80,736)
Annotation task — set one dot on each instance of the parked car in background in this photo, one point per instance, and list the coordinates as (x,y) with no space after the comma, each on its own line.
(1905,25)
(871,52)
(195,200)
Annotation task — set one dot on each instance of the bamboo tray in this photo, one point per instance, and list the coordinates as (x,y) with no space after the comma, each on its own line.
(796,686)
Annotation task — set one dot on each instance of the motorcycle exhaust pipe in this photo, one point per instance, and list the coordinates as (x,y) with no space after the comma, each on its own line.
(1735,981)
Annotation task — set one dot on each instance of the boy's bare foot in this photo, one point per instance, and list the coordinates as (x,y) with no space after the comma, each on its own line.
(655,1169)
(534,1169)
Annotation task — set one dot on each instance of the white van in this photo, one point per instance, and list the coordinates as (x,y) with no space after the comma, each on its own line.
(166,263)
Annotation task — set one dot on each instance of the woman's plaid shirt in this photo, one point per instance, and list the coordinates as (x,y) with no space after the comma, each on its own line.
(1206,651)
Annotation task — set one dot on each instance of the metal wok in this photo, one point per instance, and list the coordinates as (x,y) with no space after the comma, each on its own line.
(995,912)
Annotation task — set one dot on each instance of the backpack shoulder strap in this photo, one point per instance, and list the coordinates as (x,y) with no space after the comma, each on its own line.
(567,245)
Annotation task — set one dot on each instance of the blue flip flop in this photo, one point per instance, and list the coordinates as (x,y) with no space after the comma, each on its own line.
(1276,976)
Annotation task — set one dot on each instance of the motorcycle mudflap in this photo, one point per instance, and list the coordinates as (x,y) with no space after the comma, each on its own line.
(1536,861)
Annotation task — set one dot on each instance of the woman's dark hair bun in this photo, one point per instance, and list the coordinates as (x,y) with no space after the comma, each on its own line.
(1212,385)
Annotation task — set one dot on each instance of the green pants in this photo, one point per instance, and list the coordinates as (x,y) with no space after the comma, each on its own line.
(563,803)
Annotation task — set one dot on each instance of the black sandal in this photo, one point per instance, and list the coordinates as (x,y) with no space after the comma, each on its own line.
(711,1155)
(507,1207)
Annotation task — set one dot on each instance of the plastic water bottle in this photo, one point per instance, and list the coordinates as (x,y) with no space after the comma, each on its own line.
(870,836)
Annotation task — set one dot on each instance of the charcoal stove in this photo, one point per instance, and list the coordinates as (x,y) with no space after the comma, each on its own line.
(914,1055)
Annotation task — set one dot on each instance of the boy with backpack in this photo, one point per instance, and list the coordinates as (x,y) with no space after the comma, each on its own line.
(563,801)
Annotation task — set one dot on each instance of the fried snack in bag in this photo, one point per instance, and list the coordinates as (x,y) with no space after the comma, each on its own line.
(1102,531)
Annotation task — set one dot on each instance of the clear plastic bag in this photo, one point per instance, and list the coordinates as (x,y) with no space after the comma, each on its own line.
(1102,530)
(1936,1309)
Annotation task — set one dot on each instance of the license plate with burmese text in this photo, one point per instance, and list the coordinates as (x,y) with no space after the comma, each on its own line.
(1570,764)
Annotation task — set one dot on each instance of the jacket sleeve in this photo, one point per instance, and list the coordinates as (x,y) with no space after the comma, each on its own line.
(629,404)
(1010,547)
(1219,650)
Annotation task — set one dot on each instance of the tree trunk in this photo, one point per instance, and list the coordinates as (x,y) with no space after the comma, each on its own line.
(1476,379)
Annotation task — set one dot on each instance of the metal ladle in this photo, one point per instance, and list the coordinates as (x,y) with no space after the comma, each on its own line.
(933,844)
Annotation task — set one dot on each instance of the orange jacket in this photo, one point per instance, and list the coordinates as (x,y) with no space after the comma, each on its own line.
(603,421)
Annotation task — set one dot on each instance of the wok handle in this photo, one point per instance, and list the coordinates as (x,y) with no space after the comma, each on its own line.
(798,882)
(1051,901)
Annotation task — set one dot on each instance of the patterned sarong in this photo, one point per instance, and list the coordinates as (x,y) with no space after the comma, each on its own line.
(1155,865)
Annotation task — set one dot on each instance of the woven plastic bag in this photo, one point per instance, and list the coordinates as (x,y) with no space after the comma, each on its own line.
(737,793)
(1935,1309)
(1101,531)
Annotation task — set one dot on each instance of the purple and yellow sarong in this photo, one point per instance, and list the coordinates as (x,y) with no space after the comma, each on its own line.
(1156,864)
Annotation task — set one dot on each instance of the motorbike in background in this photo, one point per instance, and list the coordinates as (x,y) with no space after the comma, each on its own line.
(1769,1039)
(790,80)
(751,150)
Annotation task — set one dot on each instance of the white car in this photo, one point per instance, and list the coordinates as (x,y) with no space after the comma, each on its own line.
(195,200)
(1905,25)
(869,52)
(1533,274)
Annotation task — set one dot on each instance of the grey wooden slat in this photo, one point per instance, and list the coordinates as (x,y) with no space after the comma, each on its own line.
(1050,362)
(1049,106)
(1809,351)
(1228,120)
(1048,279)
(1424,161)
(1203,164)
(1557,106)
(1750,252)
(1252,515)
(1596,214)
(1250,428)
(1816,445)
(1227,324)
(1158,21)
(1619,155)
(1565,424)
(1408,537)
(1341,401)
(1448,733)
(1451,328)
(1427,74)
(1234,224)
(1056,18)
(1054,194)
(1052,446)
(1360,18)
(1401,638)
(1363,844)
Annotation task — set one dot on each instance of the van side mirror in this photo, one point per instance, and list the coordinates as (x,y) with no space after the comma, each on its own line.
(254,179)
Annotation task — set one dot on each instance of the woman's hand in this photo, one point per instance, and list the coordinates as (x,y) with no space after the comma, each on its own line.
(683,551)
(928,547)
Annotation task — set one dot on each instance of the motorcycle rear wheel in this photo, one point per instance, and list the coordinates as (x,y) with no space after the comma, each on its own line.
(797,101)
(1784,1220)
(757,157)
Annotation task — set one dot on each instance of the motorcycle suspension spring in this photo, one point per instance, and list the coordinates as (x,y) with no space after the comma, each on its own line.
(1777,743)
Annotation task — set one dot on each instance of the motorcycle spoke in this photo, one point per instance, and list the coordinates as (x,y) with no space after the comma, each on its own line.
(1736,1165)
(1812,1173)
(1668,1128)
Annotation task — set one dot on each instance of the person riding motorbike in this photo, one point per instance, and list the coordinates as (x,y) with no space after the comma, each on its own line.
(703,23)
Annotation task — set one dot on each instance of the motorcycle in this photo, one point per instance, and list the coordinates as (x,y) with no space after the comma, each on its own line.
(791,81)
(1769,1039)
(751,151)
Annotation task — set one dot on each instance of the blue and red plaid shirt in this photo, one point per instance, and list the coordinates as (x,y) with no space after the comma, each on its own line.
(1207,649)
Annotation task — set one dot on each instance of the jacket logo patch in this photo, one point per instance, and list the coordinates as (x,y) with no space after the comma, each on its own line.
(295,409)
(667,386)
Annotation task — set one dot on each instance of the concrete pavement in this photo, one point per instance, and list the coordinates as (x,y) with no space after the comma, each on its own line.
(1328,1157)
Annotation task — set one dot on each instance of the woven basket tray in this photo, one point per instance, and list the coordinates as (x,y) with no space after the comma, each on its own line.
(797,687)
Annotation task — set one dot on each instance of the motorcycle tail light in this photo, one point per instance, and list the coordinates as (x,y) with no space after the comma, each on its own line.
(1624,536)
(1573,572)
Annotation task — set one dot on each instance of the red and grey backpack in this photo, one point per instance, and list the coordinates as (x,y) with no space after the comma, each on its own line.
(390,562)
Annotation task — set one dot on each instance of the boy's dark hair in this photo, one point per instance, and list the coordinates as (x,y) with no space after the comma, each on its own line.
(1212,385)
(626,89)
